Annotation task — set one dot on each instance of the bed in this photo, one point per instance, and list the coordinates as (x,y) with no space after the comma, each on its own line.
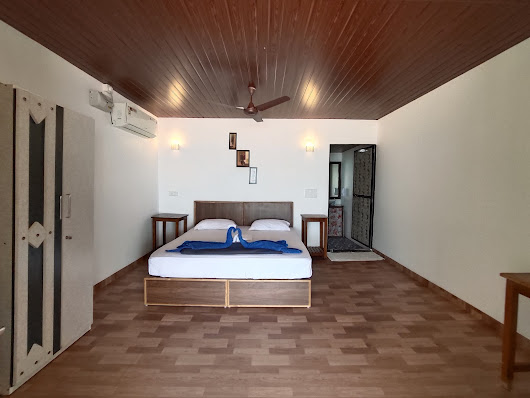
(243,280)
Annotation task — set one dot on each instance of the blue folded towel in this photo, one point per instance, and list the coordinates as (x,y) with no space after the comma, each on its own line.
(279,246)
(201,245)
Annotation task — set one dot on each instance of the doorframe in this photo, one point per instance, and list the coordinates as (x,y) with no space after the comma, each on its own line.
(372,206)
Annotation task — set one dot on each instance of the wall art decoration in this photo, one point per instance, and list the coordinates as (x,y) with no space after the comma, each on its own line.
(243,158)
(253,175)
(232,141)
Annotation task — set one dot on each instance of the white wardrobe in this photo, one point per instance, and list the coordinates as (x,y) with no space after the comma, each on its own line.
(46,232)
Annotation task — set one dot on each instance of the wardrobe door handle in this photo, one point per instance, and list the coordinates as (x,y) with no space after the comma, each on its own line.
(68,207)
(68,237)
(2,330)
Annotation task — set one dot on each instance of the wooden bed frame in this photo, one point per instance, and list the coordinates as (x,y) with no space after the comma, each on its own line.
(232,292)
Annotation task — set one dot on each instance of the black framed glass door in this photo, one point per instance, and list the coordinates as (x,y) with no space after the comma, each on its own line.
(363,195)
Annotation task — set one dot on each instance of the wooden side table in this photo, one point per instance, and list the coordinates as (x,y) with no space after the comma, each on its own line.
(168,217)
(316,251)
(516,284)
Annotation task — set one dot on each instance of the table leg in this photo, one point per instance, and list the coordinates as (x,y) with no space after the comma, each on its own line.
(304,233)
(154,235)
(163,232)
(185,224)
(177,228)
(321,226)
(325,234)
(511,305)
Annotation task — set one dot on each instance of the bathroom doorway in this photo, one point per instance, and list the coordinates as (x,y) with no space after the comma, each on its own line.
(351,197)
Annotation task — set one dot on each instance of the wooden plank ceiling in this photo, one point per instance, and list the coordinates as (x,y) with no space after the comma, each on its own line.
(335,59)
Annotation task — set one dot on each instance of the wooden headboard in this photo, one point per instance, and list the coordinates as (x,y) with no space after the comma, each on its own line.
(243,213)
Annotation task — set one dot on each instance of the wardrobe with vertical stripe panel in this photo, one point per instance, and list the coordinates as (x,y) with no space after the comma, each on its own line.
(46,232)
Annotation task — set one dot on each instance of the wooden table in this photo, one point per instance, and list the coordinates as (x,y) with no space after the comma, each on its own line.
(322,250)
(516,283)
(168,217)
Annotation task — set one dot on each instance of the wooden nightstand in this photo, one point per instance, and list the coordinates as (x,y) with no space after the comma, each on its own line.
(516,284)
(168,217)
(316,251)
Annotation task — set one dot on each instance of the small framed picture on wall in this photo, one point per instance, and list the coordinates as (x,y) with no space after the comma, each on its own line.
(243,158)
(253,175)
(232,141)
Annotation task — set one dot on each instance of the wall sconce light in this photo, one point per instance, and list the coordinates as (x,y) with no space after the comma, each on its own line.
(175,146)
(309,147)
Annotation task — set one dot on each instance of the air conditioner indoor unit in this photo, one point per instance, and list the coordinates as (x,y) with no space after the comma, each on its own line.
(133,120)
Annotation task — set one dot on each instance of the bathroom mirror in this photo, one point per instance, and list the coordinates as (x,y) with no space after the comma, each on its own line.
(334,180)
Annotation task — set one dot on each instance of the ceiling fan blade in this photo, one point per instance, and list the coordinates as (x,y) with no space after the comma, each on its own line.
(226,105)
(272,103)
(257,117)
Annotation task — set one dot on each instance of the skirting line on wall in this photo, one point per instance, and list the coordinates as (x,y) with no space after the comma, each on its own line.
(475,312)
(118,274)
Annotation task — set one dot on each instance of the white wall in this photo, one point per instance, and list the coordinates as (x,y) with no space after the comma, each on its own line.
(205,169)
(453,183)
(125,165)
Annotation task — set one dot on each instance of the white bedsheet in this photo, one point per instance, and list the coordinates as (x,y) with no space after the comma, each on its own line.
(241,266)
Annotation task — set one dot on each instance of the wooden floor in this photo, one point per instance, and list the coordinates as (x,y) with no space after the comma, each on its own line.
(372,332)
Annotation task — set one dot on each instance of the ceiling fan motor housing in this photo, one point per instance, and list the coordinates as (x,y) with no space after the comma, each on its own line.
(250,109)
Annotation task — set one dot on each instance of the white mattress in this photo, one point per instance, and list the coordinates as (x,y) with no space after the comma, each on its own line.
(240,266)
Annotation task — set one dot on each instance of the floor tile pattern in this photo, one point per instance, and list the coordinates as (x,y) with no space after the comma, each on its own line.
(371,332)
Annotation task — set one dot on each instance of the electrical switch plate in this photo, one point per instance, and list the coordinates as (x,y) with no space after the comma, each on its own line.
(311,193)
(173,193)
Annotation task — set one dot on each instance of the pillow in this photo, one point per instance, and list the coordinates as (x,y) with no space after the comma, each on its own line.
(215,223)
(270,225)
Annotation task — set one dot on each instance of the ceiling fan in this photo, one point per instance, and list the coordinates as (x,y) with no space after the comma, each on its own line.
(253,110)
